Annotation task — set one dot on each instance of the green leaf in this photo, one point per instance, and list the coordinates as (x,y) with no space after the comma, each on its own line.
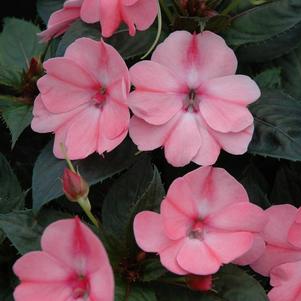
(232,283)
(24,229)
(291,72)
(267,31)
(256,185)
(140,188)
(46,7)
(270,78)
(132,292)
(152,269)
(277,126)
(19,43)
(126,45)
(287,185)
(48,170)
(10,76)
(175,293)
(11,194)
(18,117)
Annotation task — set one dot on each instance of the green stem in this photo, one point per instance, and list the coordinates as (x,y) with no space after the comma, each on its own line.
(166,11)
(85,205)
(157,36)
(69,163)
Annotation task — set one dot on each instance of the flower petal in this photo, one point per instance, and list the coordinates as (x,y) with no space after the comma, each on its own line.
(294,234)
(224,116)
(110,16)
(90,11)
(149,232)
(239,89)
(238,217)
(197,258)
(229,246)
(184,141)
(79,248)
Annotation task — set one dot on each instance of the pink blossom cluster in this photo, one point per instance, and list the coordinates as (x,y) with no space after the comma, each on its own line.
(186,99)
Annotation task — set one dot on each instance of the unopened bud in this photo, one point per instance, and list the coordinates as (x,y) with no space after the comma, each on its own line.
(74,186)
(199,283)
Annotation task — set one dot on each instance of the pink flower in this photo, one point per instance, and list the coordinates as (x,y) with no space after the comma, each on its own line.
(138,14)
(206,221)
(280,246)
(188,100)
(60,20)
(110,13)
(73,265)
(199,283)
(286,280)
(82,99)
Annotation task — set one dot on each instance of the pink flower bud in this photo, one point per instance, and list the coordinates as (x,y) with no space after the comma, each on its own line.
(199,283)
(74,186)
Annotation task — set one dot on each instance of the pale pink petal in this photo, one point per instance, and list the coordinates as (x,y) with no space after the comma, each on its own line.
(280,219)
(40,267)
(59,22)
(234,143)
(168,257)
(90,11)
(44,121)
(224,116)
(153,77)
(155,108)
(149,232)
(78,246)
(101,60)
(116,118)
(102,284)
(83,134)
(294,234)
(195,58)
(290,292)
(109,16)
(274,256)
(239,89)
(42,291)
(229,246)
(196,257)
(286,273)
(106,145)
(59,140)
(215,189)
(209,149)
(177,222)
(69,71)
(141,13)
(184,141)
(238,217)
(147,136)
(254,253)
(60,96)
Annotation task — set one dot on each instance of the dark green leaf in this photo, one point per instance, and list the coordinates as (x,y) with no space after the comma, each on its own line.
(152,269)
(48,170)
(19,43)
(291,72)
(46,7)
(138,189)
(232,283)
(277,126)
(172,292)
(267,31)
(287,185)
(270,78)
(10,76)
(17,118)
(24,229)
(256,186)
(126,45)
(133,292)
(11,194)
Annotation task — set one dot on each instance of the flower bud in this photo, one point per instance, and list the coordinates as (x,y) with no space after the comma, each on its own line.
(74,186)
(199,283)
